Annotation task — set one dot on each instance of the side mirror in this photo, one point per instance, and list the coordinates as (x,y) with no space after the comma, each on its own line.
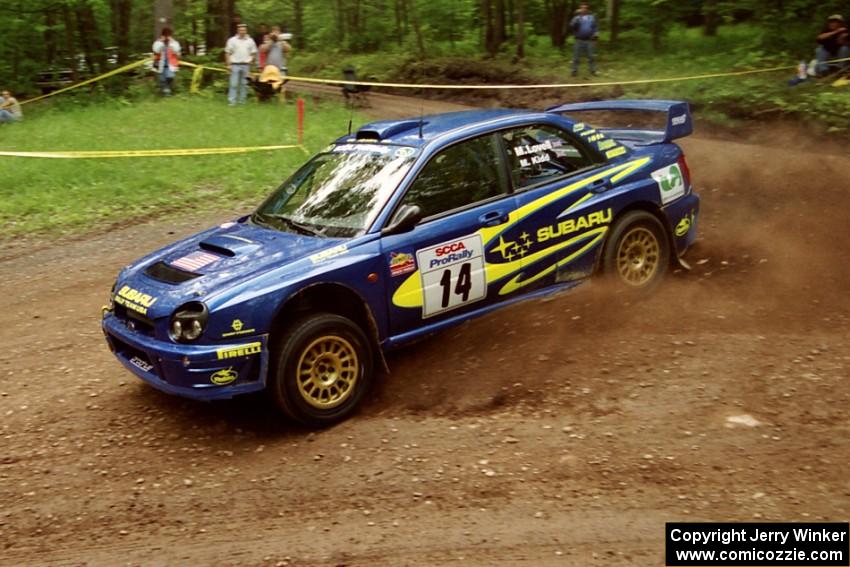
(408,216)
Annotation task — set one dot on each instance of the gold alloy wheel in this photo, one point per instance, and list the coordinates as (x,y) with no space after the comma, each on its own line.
(637,256)
(327,372)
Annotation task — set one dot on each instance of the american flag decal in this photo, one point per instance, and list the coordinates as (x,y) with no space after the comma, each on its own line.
(195,261)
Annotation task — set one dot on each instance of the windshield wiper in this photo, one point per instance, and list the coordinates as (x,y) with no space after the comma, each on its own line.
(257,218)
(300,227)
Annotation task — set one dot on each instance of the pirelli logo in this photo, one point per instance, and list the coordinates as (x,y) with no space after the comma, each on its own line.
(241,350)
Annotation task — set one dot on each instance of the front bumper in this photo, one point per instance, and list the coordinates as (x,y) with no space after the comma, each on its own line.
(200,372)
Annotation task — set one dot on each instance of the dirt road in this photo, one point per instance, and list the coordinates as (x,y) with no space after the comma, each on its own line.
(557,432)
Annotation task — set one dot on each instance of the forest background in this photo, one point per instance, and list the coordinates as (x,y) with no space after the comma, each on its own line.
(462,41)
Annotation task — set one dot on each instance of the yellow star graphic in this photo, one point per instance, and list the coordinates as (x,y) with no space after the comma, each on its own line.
(504,248)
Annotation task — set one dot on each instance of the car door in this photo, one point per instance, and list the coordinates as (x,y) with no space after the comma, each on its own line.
(562,214)
(438,270)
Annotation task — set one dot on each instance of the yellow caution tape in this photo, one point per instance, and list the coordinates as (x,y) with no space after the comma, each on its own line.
(149,153)
(199,69)
(127,67)
(555,85)
(197,77)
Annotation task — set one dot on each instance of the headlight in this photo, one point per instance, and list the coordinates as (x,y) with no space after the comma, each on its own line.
(188,322)
(110,303)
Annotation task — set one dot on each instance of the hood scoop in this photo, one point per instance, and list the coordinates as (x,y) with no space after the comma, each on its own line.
(230,245)
(169,274)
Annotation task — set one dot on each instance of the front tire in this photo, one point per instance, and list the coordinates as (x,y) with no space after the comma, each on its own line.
(637,252)
(322,368)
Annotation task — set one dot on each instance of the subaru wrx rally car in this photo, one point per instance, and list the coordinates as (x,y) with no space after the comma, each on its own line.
(401,229)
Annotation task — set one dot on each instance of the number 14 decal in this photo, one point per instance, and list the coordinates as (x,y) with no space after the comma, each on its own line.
(462,287)
(453,274)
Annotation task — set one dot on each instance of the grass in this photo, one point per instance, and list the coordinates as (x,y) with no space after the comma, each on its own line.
(60,196)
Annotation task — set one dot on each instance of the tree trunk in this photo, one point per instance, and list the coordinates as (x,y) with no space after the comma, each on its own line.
(557,22)
(70,46)
(710,18)
(298,30)
(49,36)
(340,23)
(193,48)
(417,28)
(216,24)
(163,16)
(499,23)
(614,20)
(520,31)
(232,19)
(656,28)
(121,12)
(89,37)
(489,32)
(398,33)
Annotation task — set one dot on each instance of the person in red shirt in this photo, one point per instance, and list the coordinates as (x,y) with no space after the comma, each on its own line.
(166,53)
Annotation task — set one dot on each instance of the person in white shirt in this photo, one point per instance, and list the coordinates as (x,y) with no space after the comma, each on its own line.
(239,55)
(166,59)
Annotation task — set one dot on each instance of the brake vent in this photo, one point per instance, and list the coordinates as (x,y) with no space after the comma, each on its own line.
(169,274)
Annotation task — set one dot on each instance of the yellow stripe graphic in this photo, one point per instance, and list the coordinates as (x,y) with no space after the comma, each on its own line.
(410,293)
(514,283)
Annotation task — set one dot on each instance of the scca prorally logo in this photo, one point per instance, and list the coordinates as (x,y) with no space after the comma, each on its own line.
(670,182)
(449,248)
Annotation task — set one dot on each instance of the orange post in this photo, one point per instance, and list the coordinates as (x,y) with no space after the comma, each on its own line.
(300,105)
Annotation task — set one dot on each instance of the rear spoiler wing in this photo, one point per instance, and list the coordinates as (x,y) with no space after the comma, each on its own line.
(679,121)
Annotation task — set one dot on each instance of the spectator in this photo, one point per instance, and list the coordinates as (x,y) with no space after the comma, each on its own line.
(263,53)
(166,52)
(833,44)
(239,55)
(10,108)
(276,49)
(584,28)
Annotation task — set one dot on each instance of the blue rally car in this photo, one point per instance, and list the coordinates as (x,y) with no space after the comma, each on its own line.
(398,230)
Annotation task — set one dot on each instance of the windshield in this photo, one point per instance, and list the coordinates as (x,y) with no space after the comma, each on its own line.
(337,194)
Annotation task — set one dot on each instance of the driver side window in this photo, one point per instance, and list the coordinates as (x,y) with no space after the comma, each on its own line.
(460,175)
(537,154)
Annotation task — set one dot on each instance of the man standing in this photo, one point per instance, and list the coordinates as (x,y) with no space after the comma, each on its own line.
(10,109)
(277,48)
(833,44)
(166,52)
(585,31)
(239,55)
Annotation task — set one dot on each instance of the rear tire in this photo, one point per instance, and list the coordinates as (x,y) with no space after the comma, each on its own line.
(321,369)
(637,252)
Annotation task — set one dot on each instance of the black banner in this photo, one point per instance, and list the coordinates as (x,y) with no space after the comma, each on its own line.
(693,544)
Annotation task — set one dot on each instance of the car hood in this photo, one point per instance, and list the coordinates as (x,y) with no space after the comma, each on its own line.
(210,262)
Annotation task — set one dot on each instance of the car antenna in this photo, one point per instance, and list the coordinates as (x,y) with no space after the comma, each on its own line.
(421,116)
(350,117)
